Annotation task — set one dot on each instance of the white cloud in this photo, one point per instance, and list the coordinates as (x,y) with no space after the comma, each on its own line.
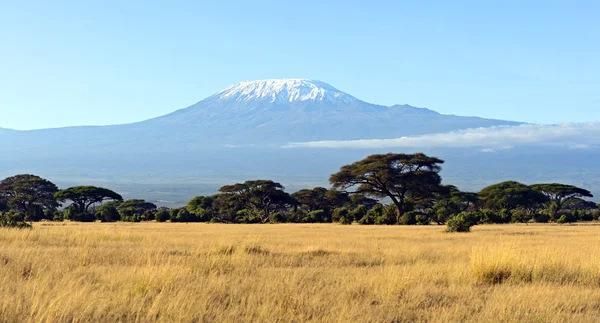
(571,135)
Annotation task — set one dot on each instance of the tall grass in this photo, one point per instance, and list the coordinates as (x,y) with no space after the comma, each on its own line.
(149,272)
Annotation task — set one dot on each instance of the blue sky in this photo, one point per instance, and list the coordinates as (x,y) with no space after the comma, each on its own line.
(66,63)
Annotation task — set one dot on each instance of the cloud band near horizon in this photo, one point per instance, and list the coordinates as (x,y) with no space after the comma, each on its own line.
(571,135)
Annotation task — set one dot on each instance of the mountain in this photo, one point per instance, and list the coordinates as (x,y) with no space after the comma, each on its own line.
(280,111)
(240,133)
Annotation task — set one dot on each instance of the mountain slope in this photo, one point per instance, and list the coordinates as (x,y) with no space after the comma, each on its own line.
(280,111)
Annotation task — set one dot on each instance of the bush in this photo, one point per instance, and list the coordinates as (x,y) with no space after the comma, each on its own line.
(388,215)
(278,217)
(581,215)
(348,219)
(58,216)
(73,215)
(13,220)
(423,219)
(162,215)
(408,218)
(83,217)
(131,218)
(358,213)
(339,213)
(182,215)
(541,217)
(595,215)
(460,223)
(486,216)
(317,216)
(520,216)
(566,218)
(108,213)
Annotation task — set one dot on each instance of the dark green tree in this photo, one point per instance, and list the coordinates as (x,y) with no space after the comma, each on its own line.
(201,207)
(400,177)
(29,194)
(313,199)
(258,199)
(140,206)
(82,197)
(558,194)
(134,210)
(108,213)
(510,195)
(162,215)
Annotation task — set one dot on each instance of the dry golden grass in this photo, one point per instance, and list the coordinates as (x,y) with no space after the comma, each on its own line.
(205,273)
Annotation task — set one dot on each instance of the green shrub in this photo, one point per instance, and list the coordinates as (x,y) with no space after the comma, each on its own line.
(423,219)
(487,216)
(541,217)
(317,216)
(84,217)
(460,223)
(581,215)
(371,215)
(347,219)
(357,213)
(182,215)
(408,218)
(58,216)
(108,213)
(388,215)
(73,215)
(520,216)
(278,217)
(595,215)
(566,218)
(162,215)
(13,219)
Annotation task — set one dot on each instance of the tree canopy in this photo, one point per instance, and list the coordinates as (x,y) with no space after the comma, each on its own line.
(29,194)
(258,198)
(510,195)
(558,194)
(397,176)
(85,196)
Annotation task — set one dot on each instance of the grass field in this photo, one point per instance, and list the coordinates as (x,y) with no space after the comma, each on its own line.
(212,273)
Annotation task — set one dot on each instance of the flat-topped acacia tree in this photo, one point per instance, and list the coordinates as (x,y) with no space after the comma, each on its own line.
(85,196)
(558,194)
(399,177)
(28,193)
(259,197)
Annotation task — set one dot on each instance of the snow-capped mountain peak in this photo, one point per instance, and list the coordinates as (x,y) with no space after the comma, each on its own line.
(283,90)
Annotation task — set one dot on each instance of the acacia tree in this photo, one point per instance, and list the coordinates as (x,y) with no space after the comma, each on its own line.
(259,197)
(85,196)
(29,194)
(559,194)
(510,195)
(399,177)
(137,206)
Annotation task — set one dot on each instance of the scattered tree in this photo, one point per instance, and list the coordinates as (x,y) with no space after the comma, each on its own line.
(399,177)
(82,197)
(558,194)
(29,194)
(510,195)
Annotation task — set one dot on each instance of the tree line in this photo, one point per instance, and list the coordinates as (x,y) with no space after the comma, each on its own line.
(380,189)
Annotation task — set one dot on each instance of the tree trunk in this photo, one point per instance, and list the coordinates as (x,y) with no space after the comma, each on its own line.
(399,209)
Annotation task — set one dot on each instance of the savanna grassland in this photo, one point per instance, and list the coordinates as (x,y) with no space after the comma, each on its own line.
(145,272)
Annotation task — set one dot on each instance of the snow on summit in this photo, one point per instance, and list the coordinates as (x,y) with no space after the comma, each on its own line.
(284,90)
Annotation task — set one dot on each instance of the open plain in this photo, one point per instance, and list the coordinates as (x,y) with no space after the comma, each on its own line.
(164,272)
